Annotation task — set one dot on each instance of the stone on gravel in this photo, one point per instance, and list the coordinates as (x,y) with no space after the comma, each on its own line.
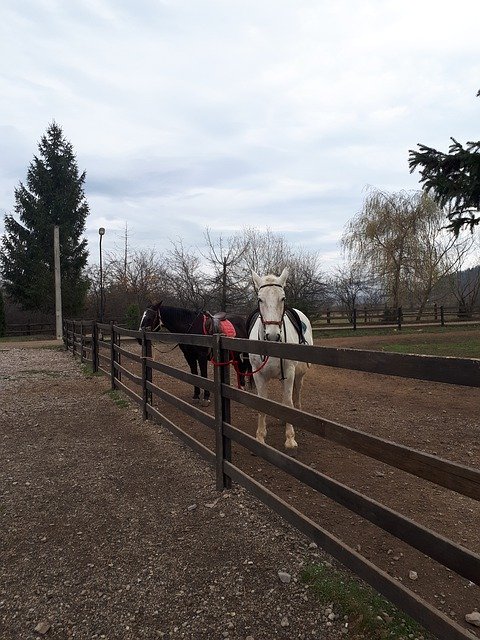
(284,577)
(43,627)
(473,618)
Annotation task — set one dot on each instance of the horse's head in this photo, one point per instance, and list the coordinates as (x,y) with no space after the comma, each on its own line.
(151,319)
(271,302)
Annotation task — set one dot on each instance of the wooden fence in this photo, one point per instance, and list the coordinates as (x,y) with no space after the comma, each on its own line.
(30,329)
(369,317)
(101,345)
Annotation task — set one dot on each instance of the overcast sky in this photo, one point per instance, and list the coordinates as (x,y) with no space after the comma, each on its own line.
(234,113)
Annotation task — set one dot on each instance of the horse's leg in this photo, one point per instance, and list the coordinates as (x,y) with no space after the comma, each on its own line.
(192,363)
(203,362)
(288,387)
(297,389)
(262,389)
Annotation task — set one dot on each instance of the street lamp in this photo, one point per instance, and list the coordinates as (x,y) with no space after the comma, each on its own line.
(101,233)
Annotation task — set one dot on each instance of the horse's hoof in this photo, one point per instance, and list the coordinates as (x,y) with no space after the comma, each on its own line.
(195,400)
(292,452)
(205,403)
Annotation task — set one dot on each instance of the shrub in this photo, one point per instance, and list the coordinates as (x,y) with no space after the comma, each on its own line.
(132,317)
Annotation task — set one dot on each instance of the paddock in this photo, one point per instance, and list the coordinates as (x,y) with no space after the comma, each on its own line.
(433,417)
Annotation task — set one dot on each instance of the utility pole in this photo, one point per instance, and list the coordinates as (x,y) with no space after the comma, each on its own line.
(101,233)
(58,283)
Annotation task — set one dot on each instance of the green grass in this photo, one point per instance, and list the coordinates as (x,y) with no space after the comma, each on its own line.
(392,331)
(367,611)
(118,398)
(88,371)
(458,348)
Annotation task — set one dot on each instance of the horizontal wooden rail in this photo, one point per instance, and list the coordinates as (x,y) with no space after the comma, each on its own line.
(132,333)
(187,408)
(190,378)
(127,373)
(105,371)
(461,371)
(128,354)
(457,477)
(408,601)
(197,446)
(183,338)
(123,387)
(466,563)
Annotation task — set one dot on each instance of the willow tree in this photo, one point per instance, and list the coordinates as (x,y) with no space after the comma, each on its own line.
(401,239)
(53,195)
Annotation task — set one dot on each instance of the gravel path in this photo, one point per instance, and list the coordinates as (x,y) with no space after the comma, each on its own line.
(110,528)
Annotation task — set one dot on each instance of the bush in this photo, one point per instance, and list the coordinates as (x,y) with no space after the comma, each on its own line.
(132,317)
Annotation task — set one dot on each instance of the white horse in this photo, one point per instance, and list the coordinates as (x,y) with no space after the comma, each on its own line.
(273,324)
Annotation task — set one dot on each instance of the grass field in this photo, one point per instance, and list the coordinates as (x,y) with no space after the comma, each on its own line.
(461,341)
(468,348)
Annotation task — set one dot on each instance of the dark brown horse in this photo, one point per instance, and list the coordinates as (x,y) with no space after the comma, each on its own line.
(179,320)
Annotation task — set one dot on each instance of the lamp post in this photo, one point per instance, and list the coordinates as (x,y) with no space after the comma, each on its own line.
(101,233)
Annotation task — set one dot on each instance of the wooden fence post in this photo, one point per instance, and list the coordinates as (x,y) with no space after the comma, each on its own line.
(146,373)
(74,349)
(328,316)
(81,341)
(365,314)
(112,356)
(95,347)
(442,316)
(399,318)
(435,311)
(223,445)
(354,318)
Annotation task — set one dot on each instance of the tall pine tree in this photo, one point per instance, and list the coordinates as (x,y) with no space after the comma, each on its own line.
(53,195)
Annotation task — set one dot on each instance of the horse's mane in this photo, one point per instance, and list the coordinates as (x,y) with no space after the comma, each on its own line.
(177,314)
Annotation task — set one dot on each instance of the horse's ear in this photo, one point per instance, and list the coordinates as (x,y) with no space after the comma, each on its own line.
(256,280)
(284,276)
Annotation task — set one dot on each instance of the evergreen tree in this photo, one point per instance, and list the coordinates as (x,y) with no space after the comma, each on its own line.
(53,195)
(3,326)
(453,179)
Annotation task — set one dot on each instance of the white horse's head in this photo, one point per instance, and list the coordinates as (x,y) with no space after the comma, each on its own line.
(271,302)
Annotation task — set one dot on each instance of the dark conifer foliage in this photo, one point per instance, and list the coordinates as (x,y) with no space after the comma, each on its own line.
(453,179)
(53,194)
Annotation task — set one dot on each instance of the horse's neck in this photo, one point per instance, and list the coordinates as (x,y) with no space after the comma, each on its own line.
(177,320)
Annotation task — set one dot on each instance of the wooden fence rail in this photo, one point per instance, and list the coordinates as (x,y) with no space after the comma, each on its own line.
(92,342)
(370,317)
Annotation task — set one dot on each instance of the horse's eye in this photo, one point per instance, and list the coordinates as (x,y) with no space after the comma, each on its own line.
(283,299)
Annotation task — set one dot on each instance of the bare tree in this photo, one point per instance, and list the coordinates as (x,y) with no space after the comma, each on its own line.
(464,284)
(401,239)
(269,252)
(350,284)
(226,286)
(436,254)
(306,286)
(187,278)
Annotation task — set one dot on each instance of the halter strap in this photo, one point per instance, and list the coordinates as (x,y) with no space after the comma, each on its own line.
(270,285)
